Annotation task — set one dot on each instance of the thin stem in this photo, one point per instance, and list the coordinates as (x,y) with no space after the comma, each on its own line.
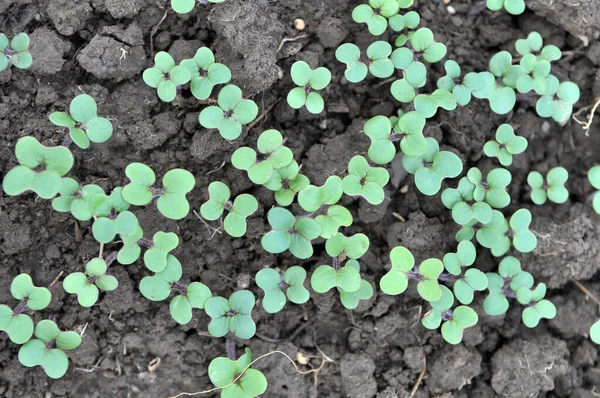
(145,243)
(111,258)
(22,306)
(447,277)
(230,348)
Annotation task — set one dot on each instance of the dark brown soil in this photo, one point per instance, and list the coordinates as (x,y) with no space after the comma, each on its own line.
(101,47)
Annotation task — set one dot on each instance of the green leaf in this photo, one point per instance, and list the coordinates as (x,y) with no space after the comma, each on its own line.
(68,340)
(269,281)
(46,330)
(20,42)
(83,108)
(21,286)
(595,332)
(180,310)
(141,177)
(155,258)
(197,293)
(107,283)
(325,277)
(428,287)
(55,363)
(32,353)
(433,318)
(336,217)
(395,281)
(182,6)
(75,282)
(350,300)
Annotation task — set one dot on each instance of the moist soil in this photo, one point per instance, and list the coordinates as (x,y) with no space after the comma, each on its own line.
(131,346)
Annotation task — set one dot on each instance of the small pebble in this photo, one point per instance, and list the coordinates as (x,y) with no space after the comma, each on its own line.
(299,24)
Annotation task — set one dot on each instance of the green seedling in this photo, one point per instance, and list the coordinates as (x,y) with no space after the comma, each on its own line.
(405,24)
(350,300)
(160,286)
(505,283)
(346,278)
(537,306)
(16,52)
(111,216)
(326,277)
(233,315)
(365,181)
(455,321)
(40,351)
(423,47)
(514,7)
(247,382)
(492,190)
(171,203)
(273,155)
(241,208)
(557,102)
(335,217)
(432,168)
(506,145)
(465,287)
(309,81)
(165,76)
(595,332)
(313,198)
(594,178)
(535,77)
(378,61)
(278,286)
(103,205)
(428,104)
(40,169)
(405,91)
(75,199)
(341,247)
(205,73)
(553,188)
(497,234)
(395,281)
(87,286)
(464,257)
(375,14)
(287,182)
(105,229)
(534,44)
(132,246)
(290,233)
(499,83)
(408,129)
(14,322)
(467,231)
(231,113)
(461,87)
(464,210)
(83,122)
(383,132)
(162,243)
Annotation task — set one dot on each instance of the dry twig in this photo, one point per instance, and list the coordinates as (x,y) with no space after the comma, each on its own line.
(289,39)
(587,124)
(420,378)
(586,291)
(302,372)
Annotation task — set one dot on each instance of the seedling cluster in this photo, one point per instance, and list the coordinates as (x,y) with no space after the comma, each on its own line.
(475,202)
(15,52)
